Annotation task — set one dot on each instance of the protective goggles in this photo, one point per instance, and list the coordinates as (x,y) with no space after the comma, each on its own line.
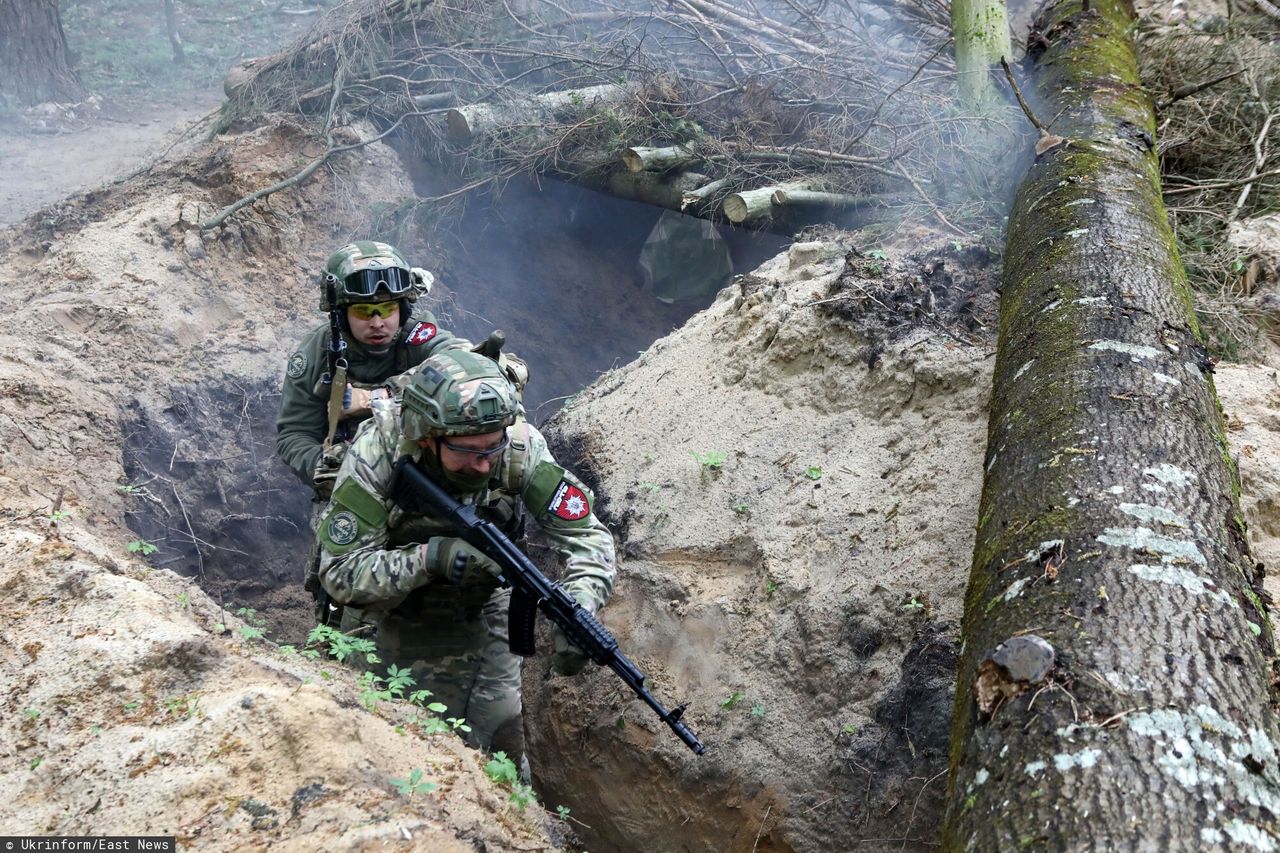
(368,282)
(481,453)
(369,310)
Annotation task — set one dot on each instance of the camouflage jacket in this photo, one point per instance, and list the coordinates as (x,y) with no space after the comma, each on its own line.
(369,548)
(303,421)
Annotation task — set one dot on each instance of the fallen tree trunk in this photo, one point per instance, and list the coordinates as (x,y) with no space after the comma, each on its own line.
(466,122)
(1109,524)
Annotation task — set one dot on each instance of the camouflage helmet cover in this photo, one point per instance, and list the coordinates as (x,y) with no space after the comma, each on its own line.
(358,257)
(457,392)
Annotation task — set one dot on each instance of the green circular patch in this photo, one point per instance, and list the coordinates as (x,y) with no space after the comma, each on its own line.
(297,365)
(343,528)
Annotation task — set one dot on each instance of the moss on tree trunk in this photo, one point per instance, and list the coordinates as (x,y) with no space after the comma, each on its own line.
(981,31)
(1109,522)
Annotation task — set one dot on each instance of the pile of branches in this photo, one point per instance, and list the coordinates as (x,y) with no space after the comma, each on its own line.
(824,101)
(1219,139)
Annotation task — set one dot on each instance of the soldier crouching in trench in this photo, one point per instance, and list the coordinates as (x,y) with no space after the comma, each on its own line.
(433,601)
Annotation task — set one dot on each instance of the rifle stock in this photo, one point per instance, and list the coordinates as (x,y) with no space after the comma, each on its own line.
(532,590)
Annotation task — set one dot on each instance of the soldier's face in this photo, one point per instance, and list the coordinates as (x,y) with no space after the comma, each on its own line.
(469,454)
(374,329)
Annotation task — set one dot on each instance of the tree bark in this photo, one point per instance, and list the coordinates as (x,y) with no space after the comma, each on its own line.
(642,159)
(756,205)
(981,31)
(33,55)
(467,122)
(1109,523)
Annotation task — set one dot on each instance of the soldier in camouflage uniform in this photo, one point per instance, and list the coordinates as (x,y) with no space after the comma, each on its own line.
(386,335)
(434,601)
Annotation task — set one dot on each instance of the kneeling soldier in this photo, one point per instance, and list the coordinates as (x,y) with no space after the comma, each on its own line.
(434,601)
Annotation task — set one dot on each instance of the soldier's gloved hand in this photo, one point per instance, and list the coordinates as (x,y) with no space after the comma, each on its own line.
(568,659)
(327,469)
(455,561)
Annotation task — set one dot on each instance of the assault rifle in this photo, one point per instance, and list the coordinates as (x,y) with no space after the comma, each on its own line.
(414,491)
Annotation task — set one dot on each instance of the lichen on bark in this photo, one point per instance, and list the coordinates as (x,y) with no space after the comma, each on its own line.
(1105,436)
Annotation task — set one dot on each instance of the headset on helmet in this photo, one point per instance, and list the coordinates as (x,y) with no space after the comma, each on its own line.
(457,392)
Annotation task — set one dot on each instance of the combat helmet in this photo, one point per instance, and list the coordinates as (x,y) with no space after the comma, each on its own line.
(369,271)
(457,392)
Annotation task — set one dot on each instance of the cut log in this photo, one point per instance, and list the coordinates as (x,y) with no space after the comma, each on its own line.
(698,197)
(434,100)
(641,159)
(1138,717)
(654,188)
(755,205)
(783,197)
(466,122)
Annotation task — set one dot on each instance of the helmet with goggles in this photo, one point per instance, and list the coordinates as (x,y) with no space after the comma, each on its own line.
(369,271)
(457,392)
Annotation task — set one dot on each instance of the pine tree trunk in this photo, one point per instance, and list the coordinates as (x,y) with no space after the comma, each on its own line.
(1109,524)
(33,55)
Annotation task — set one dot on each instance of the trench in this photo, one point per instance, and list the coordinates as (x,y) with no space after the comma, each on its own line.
(553,265)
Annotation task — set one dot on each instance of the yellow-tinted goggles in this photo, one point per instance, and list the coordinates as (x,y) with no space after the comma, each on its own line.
(369,310)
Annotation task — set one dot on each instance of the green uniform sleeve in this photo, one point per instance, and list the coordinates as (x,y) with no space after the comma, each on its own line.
(356,565)
(560,504)
(303,421)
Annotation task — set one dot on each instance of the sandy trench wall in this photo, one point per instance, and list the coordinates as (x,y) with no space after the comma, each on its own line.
(131,702)
(802,595)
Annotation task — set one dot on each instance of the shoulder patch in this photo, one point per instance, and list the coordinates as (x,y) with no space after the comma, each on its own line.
(421,333)
(351,497)
(569,502)
(297,365)
(342,528)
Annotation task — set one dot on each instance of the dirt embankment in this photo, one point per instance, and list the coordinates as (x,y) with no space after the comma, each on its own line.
(132,703)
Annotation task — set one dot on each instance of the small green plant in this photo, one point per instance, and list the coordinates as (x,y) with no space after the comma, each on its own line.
(502,769)
(522,795)
(850,728)
(37,761)
(732,701)
(31,713)
(770,586)
(59,515)
(131,706)
(129,489)
(457,724)
(877,253)
(184,601)
(562,812)
(251,633)
(413,785)
(712,460)
(913,604)
(184,706)
(957,245)
(741,508)
(649,487)
(813,472)
(757,710)
(339,645)
(141,546)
